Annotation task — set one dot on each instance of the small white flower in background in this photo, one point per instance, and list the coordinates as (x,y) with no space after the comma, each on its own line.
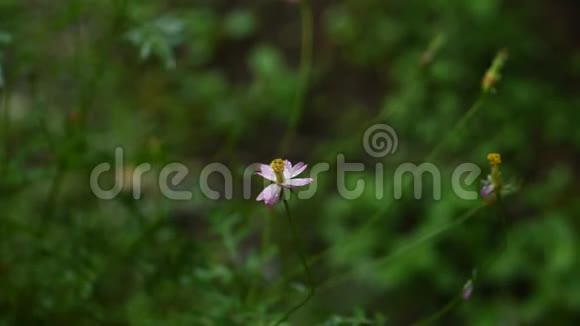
(283,174)
(467,290)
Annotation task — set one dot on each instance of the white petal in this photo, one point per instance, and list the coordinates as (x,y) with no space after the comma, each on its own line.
(275,196)
(298,182)
(266,176)
(267,172)
(287,169)
(270,195)
(297,169)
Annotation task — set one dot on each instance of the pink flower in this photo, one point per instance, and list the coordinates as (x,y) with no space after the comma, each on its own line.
(282,173)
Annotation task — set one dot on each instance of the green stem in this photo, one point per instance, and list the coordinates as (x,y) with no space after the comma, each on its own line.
(502,218)
(458,126)
(406,248)
(104,46)
(263,258)
(311,285)
(436,316)
(458,299)
(266,235)
(5,128)
(51,200)
(305,68)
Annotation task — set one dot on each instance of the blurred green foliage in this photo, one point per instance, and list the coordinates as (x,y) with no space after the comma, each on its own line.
(216,81)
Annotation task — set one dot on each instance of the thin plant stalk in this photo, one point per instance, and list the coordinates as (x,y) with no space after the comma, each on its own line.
(404,248)
(311,285)
(5,124)
(266,237)
(306,49)
(457,299)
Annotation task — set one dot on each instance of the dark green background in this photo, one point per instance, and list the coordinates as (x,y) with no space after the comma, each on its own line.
(198,82)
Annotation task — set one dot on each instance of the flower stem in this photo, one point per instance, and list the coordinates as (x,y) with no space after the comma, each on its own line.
(436,316)
(457,299)
(264,256)
(305,67)
(458,126)
(413,244)
(5,128)
(311,285)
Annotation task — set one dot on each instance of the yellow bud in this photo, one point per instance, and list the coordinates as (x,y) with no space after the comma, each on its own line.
(493,73)
(494,159)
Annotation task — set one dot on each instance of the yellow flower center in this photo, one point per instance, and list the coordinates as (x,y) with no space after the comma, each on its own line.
(494,159)
(278,167)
